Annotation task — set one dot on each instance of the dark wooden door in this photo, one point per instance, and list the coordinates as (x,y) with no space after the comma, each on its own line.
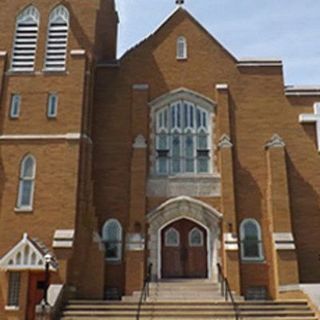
(184,250)
(35,293)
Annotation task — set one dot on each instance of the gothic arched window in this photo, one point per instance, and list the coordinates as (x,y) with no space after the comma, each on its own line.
(56,52)
(182,50)
(26,183)
(182,139)
(196,238)
(172,238)
(112,238)
(25,41)
(251,241)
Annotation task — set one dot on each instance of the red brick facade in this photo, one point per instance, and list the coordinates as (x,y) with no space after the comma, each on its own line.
(96,160)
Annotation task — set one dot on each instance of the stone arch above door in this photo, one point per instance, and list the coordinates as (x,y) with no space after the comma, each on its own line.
(178,208)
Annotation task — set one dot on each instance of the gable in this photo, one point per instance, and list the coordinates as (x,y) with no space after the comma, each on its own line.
(26,255)
(178,18)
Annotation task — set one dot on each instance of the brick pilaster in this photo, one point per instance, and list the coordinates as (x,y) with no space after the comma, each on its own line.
(283,245)
(230,247)
(135,239)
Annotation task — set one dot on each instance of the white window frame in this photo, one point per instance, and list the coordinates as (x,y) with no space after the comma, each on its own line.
(14,285)
(13,106)
(191,244)
(167,243)
(260,256)
(119,241)
(182,48)
(55,113)
(22,179)
(59,12)
(30,12)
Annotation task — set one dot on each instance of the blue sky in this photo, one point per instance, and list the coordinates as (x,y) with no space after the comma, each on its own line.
(285,29)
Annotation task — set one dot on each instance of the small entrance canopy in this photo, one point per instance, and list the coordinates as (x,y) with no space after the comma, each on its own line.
(27,254)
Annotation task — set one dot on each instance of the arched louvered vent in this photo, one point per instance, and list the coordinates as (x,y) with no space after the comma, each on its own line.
(57,41)
(25,42)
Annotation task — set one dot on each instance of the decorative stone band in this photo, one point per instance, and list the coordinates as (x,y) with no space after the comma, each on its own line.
(140,142)
(3,54)
(63,239)
(283,241)
(275,142)
(222,86)
(225,142)
(140,87)
(77,52)
(135,242)
(67,136)
(230,241)
(296,91)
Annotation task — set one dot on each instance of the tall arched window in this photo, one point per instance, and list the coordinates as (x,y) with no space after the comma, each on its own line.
(56,52)
(27,181)
(26,38)
(182,139)
(182,51)
(112,238)
(251,241)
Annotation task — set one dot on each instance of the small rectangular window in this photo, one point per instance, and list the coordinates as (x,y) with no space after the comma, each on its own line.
(52,105)
(15,106)
(14,289)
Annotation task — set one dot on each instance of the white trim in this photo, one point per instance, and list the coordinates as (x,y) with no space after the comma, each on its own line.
(19,258)
(313,118)
(77,52)
(259,62)
(67,136)
(11,308)
(292,91)
(3,53)
(230,241)
(225,142)
(275,142)
(139,142)
(222,86)
(63,238)
(283,241)
(260,256)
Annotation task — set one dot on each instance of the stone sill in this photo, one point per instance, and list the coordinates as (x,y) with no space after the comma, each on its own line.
(23,210)
(11,308)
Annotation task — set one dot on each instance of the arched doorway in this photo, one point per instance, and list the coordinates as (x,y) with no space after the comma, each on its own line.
(203,217)
(184,250)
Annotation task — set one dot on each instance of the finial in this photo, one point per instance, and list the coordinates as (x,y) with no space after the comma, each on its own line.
(179,2)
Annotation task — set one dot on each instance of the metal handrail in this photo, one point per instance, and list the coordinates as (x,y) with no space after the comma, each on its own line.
(145,291)
(226,291)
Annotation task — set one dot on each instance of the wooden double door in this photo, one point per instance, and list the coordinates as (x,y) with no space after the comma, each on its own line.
(184,250)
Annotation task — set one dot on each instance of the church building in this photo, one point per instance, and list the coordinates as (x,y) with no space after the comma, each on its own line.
(176,158)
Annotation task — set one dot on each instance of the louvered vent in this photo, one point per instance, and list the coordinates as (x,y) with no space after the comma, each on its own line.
(25,42)
(57,39)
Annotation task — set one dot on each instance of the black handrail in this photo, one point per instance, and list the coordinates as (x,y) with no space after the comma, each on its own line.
(226,291)
(145,290)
